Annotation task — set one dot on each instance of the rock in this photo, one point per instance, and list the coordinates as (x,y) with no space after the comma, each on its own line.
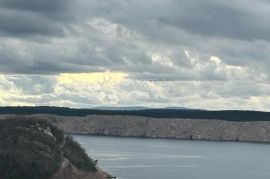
(136,126)
(36,149)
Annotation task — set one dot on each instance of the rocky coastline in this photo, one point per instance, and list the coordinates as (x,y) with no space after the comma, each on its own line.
(173,128)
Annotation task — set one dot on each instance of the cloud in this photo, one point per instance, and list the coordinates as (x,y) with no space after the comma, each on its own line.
(48,6)
(233,19)
(213,54)
(34,18)
(115,89)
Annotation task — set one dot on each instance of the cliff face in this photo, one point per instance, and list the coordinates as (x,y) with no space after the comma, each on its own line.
(134,126)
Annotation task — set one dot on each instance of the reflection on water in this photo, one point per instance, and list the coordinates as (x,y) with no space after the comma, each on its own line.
(137,158)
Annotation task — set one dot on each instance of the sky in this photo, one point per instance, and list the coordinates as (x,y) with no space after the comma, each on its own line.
(155,53)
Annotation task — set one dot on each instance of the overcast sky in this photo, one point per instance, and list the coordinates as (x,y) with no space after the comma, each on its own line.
(83,53)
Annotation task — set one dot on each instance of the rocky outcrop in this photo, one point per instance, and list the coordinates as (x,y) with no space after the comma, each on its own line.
(69,171)
(34,148)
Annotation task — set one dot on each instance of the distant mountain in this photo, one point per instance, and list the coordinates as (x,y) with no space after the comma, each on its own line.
(139,108)
(183,108)
(120,108)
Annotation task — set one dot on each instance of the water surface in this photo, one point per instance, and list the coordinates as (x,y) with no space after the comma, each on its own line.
(137,158)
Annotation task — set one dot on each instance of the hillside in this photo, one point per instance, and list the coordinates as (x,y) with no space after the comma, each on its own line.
(173,128)
(228,115)
(36,149)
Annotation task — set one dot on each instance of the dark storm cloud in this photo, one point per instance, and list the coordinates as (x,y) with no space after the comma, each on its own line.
(123,36)
(229,19)
(48,6)
(34,17)
(25,24)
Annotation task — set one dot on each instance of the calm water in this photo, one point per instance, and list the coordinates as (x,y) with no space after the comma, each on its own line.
(132,158)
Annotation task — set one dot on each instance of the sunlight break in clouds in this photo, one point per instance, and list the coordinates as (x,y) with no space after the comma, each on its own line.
(86,90)
(109,78)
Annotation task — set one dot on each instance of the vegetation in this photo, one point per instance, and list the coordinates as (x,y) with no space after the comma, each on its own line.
(76,154)
(25,152)
(35,149)
(241,116)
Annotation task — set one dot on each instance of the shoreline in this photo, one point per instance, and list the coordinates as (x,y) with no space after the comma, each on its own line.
(160,128)
(173,139)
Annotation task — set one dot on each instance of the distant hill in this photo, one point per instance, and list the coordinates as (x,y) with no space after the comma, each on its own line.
(136,108)
(229,115)
(120,108)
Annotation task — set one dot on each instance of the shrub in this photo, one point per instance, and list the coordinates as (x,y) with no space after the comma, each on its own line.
(77,156)
(26,151)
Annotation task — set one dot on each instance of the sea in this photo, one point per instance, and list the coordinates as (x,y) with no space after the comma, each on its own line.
(144,158)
